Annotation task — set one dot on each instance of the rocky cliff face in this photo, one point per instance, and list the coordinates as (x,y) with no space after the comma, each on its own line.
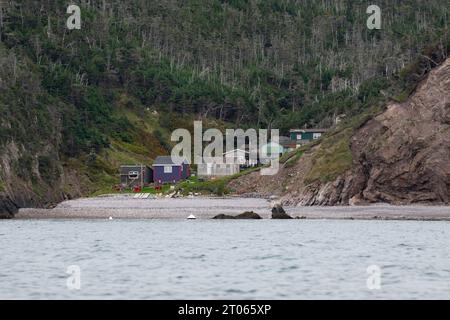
(401,156)
(32,179)
(7,207)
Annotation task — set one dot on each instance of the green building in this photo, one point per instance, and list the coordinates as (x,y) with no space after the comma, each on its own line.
(303,136)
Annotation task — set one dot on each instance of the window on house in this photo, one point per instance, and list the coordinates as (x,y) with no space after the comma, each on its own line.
(167,169)
(132,175)
(299,136)
(316,136)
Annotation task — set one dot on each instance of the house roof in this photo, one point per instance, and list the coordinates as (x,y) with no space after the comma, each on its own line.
(235,150)
(168,161)
(309,130)
(135,166)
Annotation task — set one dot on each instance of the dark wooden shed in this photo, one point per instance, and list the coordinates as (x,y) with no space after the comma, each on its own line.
(135,175)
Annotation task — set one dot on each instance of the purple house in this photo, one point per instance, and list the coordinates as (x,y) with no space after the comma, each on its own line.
(165,170)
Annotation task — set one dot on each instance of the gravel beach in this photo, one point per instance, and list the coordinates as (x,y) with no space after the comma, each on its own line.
(128,207)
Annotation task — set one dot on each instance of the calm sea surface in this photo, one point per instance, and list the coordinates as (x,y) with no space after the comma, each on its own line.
(171,259)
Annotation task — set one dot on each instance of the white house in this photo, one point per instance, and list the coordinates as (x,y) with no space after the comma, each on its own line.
(230,164)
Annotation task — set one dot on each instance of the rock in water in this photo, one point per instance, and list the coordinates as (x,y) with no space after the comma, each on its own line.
(249,215)
(223,217)
(242,216)
(279,213)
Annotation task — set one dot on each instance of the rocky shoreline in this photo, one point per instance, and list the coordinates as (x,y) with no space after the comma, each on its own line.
(128,207)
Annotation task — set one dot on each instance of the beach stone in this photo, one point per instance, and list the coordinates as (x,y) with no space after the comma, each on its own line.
(279,213)
(248,215)
(223,217)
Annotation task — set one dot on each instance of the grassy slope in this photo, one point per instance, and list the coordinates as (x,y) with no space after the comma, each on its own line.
(102,173)
(217,186)
(99,172)
(334,156)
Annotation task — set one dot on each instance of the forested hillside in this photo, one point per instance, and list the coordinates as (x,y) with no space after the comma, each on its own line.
(76,103)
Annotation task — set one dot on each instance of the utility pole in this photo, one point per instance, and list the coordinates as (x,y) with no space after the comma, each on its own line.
(142,177)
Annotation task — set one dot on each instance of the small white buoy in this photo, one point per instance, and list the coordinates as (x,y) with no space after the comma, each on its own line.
(110,218)
(192,217)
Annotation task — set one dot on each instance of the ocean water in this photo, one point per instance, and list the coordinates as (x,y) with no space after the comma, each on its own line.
(203,259)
